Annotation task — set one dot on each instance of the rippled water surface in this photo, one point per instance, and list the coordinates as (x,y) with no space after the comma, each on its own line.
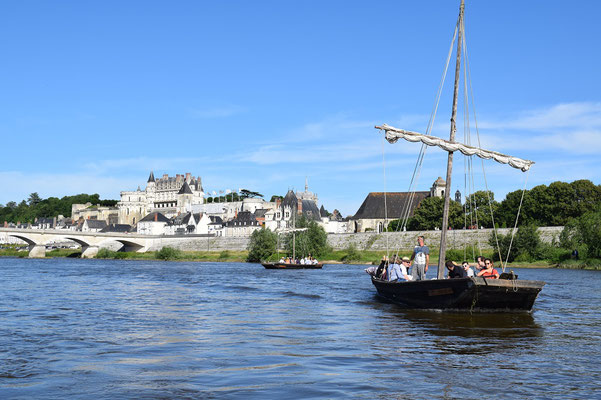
(133,329)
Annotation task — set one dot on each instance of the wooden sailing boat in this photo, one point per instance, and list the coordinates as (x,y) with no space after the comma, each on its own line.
(281,265)
(463,293)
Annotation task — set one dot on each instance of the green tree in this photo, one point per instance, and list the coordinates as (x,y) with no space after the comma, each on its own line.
(275,198)
(428,215)
(312,241)
(244,193)
(478,209)
(583,234)
(262,245)
(34,199)
(525,247)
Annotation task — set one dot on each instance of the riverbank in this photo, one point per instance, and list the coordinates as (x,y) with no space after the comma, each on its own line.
(332,257)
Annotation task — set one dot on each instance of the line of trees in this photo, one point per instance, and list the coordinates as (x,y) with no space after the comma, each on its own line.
(36,207)
(552,205)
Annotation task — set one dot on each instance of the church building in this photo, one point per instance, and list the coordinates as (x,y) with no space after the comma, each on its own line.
(378,209)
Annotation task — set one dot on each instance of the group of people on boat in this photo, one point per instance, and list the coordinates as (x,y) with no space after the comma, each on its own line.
(397,268)
(484,267)
(308,260)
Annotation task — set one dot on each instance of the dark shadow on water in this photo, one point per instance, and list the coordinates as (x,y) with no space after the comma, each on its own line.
(475,325)
(460,331)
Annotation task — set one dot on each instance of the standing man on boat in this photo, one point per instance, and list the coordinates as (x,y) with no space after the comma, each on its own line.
(421,259)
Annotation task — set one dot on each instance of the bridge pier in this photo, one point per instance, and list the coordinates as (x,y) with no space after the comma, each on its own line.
(89,251)
(37,251)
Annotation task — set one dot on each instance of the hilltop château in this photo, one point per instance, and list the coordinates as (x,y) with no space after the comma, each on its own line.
(169,195)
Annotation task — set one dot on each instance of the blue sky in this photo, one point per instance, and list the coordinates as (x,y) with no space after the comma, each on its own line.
(260,95)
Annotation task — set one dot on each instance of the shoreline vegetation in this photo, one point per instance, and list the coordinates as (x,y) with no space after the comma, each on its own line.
(347,256)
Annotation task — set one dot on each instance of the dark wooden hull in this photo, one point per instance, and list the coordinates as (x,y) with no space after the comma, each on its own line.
(291,266)
(470,294)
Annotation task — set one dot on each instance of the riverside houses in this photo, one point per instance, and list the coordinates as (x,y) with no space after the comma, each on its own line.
(244,224)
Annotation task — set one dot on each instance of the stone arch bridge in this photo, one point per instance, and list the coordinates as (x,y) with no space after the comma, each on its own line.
(90,242)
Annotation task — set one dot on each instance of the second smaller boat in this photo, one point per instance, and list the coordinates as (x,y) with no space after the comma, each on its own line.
(279,265)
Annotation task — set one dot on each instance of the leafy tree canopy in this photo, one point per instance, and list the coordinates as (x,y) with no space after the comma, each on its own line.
(262,245)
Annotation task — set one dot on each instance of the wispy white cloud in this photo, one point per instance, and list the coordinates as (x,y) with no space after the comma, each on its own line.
(580,115)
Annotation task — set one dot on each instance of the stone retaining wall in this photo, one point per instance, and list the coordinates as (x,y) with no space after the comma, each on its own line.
(363,241)
(456,239)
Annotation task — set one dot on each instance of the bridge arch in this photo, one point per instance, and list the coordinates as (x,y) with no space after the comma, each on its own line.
(36,249)
(128,244)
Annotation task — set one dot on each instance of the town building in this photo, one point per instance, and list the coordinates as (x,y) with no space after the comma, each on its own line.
(291,208)
(243,224)
(80,212)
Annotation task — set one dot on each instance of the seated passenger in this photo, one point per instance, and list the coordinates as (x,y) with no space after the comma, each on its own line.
(468,270)
(455,270)
(394,270)
(282,261)
(398,272)
(382,268)
(489,271)
(405,264)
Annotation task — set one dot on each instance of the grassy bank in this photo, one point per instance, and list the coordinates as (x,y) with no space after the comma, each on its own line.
(348,256)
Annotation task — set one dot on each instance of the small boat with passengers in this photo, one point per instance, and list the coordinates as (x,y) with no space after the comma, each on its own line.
(280,265)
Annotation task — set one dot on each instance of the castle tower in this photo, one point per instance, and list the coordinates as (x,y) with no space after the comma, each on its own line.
(184,199)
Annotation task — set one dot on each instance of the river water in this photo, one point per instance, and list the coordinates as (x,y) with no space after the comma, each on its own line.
(103,329)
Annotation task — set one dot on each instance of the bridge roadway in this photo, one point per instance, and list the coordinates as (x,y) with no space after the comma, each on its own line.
(90,242)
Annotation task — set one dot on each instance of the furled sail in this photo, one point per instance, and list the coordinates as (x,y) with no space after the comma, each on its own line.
(394,134)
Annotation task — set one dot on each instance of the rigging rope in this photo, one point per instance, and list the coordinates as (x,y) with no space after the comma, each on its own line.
(385,190)
(480,145)
(404,217)
(484,173)
(504,264)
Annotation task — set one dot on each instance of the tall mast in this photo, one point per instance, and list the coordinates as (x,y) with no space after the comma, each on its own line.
(445,213)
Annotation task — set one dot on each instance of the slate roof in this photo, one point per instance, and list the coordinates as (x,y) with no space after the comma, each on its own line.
(310,210)
(373,205)
(322,212)
(260,212)
(96,224)
(151,177)
(215,220)
(184,219)
(290,200)
(185,189)
(241,218)
(160,217)
(119,228)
